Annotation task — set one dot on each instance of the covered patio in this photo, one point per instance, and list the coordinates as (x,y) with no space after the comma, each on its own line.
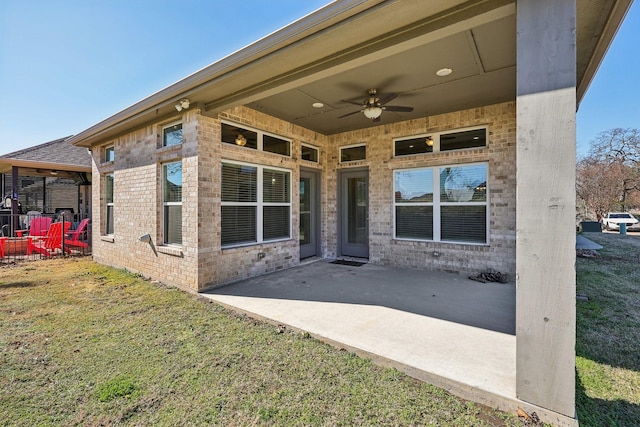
(439,327)
(429,135)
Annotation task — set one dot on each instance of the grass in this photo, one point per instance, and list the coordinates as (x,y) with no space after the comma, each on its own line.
(83,344)
(608,333)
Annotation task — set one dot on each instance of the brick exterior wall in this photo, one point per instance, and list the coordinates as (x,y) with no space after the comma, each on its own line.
(201,262)
(500,156)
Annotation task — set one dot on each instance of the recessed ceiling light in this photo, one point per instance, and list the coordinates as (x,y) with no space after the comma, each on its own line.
(444,72)
(317,105)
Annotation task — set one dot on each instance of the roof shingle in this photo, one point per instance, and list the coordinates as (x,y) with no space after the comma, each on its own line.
(56,151)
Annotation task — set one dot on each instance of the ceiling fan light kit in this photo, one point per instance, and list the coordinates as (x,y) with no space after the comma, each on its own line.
(373,106)
(372,112)
(241,140)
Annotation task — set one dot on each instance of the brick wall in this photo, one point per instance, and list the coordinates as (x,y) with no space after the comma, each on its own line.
(137,171)
(201,262)
(219,266)
(500,156)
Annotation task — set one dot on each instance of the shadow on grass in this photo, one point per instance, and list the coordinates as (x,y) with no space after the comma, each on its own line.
(18,285)
(594,412)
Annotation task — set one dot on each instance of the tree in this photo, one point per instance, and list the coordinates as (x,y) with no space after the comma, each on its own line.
(608,178)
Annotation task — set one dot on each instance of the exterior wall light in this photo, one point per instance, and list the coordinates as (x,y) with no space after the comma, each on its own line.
(183,104)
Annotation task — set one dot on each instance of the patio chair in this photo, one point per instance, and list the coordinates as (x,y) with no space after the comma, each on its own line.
(48,244)
(77,236)
(30,216)
(37,227)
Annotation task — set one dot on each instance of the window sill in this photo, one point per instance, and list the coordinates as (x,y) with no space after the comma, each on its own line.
(249,244)
(173,149)
(109,239)
(444,242)
(171,250)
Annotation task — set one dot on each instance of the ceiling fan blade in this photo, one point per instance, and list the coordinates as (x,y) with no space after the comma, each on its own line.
(397,108)
(359,104)
(387,98)
(349,114)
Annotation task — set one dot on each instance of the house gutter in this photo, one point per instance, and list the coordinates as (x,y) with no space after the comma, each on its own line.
(314,22)
(608,33)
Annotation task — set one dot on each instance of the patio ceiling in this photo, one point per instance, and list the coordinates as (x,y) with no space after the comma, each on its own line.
(338,53)
(482,60)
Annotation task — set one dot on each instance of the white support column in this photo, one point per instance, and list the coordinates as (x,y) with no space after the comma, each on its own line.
(545,227)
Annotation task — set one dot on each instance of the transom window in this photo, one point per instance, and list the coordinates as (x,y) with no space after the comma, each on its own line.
(309,153)
(443,141)
(172,135)
(172,202)
(255,139)
(353,153)
(447,204)
(256,204)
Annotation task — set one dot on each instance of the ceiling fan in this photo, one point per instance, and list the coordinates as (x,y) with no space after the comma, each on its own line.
(373,106)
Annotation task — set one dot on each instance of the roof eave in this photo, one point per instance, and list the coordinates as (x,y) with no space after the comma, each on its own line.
(6,164)
(613,23)
(309,24)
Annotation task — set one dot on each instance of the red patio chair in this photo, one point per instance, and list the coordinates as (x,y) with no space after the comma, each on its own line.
(51,242)
(38,226)
(75,237)
(3,240)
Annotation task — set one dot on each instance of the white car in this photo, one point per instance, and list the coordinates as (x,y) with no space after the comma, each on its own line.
(613,220)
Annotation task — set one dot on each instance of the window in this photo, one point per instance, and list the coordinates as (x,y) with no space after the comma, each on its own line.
(447,204)
(238,136)
(108,197)
(256,140)
(419,145)
(172,135)
(276,145)
(437,142)
(465,139)
(309,153)
(109,154)
(172,202)
(353,153)
(256,204)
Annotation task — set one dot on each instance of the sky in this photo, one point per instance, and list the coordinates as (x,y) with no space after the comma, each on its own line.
(66,65)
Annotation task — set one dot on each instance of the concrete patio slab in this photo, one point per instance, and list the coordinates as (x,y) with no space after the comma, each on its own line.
(442,328)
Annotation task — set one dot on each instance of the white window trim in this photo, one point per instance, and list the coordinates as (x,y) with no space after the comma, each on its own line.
(436,204)
(260,204)
(109,204)
(164,231)
(436,141)
(304,144)
(259,134)
(360,144)
(167,126)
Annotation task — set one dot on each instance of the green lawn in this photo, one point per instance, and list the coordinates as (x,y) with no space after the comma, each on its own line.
(82,344)
(608,333)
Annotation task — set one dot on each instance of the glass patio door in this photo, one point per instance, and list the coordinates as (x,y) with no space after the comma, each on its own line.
(354,214)
(308,215)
